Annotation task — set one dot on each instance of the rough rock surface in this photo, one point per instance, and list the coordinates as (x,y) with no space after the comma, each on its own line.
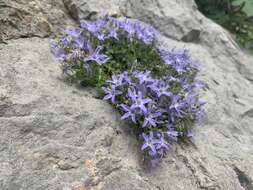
(52,132)
(27,18)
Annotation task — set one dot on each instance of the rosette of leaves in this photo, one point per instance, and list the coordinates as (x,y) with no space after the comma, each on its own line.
(154,88)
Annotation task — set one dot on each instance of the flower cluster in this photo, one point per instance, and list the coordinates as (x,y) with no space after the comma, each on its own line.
(162,112)
(154,88)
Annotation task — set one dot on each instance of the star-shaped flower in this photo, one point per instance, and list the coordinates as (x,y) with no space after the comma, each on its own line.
(144,77)
(111,93)
(151,119)
(128,113)
(117,80)
(138,102)
(149,142)
(96,56)
(161,143)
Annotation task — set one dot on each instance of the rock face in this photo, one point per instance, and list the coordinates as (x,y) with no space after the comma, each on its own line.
(27,18)
(52,132)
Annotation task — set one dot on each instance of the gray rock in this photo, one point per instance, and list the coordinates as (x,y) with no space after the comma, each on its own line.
(53,133)
(91,9)
(26,18)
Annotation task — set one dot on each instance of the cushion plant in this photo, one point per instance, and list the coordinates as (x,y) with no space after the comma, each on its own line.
(154,88)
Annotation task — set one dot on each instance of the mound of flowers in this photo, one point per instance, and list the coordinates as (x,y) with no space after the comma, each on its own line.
(154,88)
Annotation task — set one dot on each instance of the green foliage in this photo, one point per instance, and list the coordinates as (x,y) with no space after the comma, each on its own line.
(234,15)
(125,55)
(248,8)
(153,88)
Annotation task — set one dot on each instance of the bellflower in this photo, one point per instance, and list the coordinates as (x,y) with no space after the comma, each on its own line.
(113,33)
(128,26)
(143,77)
(58,52)
(95,26)
(161,143)
(111,93)
(172,133)
(146,33)
(128,112)
(166,55)
(153,87)
(149,143)
(74,32)
(161,88)
(139,102)
(177,106)
(151,119)
(96,56)
(117,80)
(65,41)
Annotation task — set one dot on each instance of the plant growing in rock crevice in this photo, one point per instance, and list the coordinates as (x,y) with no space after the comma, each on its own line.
(154,88)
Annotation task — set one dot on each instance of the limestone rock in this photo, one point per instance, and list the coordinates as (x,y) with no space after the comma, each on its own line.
(26,18)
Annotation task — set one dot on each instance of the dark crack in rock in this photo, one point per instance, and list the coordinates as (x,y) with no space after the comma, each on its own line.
(244,180)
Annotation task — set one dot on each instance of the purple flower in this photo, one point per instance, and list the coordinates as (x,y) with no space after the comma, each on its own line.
(144,77)
(58,52)
(94,26)
(116,22)
(128,112)
(161,143)
(138,29)
(111,93)
(177,106)
(138,101)
(189,133)
(186,86)
(200,115)
(129,27)
(181,60)
(125,77)
(160,88)
(145,32)
(113,33)
(101,36)
(81,42)
(132,94)
(74,32)
(151,119)
(190,99)
(172,133)
(178,58)
(166,55)
(198,84)
(96,56)
(149,142)
(172,79)
(117,80)
(181,56)
(65,41)
(179,68)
